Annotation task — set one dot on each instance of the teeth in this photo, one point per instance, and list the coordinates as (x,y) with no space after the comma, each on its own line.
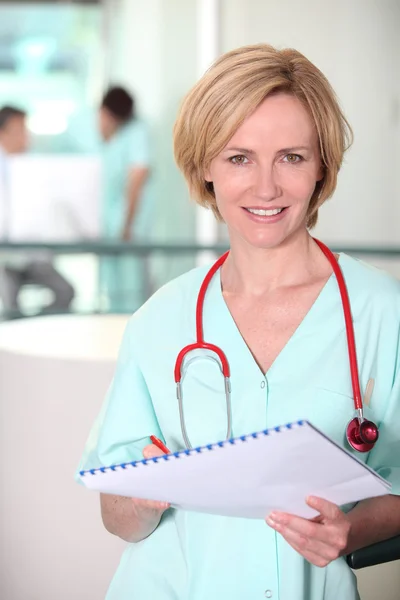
(265,213)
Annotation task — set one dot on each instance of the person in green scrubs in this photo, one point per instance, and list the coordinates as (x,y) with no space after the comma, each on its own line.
(260,139)
(126,210)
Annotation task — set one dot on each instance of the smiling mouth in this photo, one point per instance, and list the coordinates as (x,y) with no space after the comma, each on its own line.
(264,212)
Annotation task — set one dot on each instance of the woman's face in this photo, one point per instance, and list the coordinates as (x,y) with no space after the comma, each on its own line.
(265,176)
(108,124)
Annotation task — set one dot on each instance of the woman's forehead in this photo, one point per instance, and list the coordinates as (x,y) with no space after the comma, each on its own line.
(280,119)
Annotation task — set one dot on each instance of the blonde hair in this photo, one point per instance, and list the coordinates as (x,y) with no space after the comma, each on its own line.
(231,90)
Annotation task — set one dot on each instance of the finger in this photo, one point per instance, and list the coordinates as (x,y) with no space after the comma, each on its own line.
(311,557)
(153,504)
(323,550)
(151,451)
(149,508)
(284,522)
(327,509)
(332,534)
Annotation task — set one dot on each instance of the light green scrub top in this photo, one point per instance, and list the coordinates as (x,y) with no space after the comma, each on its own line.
(122,278)
(127,149)
(193,556)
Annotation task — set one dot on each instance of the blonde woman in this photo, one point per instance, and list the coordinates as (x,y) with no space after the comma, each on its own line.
(260,140)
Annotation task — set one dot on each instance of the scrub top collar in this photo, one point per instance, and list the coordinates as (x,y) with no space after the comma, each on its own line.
(220,327)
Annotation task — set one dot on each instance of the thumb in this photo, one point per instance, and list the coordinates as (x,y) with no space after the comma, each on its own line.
(327,510)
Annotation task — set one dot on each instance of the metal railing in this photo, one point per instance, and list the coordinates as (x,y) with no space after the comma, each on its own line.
(103,248)
(107,248)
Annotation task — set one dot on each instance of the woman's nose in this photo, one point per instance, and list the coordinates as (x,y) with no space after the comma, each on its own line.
(266,186)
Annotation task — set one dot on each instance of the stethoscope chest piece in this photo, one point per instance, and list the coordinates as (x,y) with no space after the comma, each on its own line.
(363,435)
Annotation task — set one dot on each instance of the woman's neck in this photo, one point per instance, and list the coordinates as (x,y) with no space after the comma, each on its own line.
(255,271)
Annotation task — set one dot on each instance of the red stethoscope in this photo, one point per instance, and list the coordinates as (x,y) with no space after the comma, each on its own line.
(361,434)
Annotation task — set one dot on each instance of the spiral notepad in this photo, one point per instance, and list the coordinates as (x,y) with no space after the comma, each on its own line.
(247,476)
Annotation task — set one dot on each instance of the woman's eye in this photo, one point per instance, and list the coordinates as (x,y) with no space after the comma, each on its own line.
(238,160)
(293,158)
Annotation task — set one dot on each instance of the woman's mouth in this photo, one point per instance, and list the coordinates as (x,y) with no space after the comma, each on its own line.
(265,212)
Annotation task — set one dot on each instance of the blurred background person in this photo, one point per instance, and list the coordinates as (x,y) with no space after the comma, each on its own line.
(17,270)
(126,211)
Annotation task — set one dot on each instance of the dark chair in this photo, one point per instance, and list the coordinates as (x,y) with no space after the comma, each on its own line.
(376,554)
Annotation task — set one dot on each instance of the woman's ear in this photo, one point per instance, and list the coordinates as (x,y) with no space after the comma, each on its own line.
(207,176)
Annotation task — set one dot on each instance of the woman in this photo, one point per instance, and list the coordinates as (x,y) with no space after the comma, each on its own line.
(260,140)
(127,209)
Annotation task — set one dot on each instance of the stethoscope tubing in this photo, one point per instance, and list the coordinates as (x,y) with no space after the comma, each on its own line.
(354,432)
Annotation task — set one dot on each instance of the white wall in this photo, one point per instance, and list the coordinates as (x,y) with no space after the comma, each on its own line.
(153,52)
(357,45)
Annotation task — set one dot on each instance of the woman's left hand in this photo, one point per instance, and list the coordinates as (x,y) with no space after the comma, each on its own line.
(320,540)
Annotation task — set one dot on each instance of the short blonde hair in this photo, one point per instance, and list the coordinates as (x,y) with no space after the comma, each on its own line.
(231,90)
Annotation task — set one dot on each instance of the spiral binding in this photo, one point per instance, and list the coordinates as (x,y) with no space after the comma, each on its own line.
(198,450)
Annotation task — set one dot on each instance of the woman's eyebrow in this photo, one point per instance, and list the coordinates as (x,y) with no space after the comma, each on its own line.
(240,150)
(252,152)
(294,149)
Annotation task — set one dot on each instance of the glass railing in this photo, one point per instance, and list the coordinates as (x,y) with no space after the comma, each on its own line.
(137,270)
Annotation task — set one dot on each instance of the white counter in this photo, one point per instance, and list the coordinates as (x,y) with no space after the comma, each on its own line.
(54,373)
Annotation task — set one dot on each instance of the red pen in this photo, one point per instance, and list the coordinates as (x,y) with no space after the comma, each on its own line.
(159,444)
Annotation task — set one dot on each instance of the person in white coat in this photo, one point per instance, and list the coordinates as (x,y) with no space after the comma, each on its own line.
(17,270)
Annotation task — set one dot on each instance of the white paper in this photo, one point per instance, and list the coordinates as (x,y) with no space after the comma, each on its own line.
(249,478)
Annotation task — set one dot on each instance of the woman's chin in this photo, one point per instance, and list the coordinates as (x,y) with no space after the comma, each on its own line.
(265,242)
(266,238)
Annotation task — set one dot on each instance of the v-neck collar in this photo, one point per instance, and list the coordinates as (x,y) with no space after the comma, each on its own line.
(223,331)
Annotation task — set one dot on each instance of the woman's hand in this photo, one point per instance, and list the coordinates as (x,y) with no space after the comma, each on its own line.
(132,519)
(320,540)
(150,511)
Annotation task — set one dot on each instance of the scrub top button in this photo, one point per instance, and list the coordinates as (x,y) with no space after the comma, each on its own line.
(268,594)
(263,384)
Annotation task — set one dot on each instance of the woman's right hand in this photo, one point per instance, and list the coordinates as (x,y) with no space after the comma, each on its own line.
(133,519)
(150,511)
